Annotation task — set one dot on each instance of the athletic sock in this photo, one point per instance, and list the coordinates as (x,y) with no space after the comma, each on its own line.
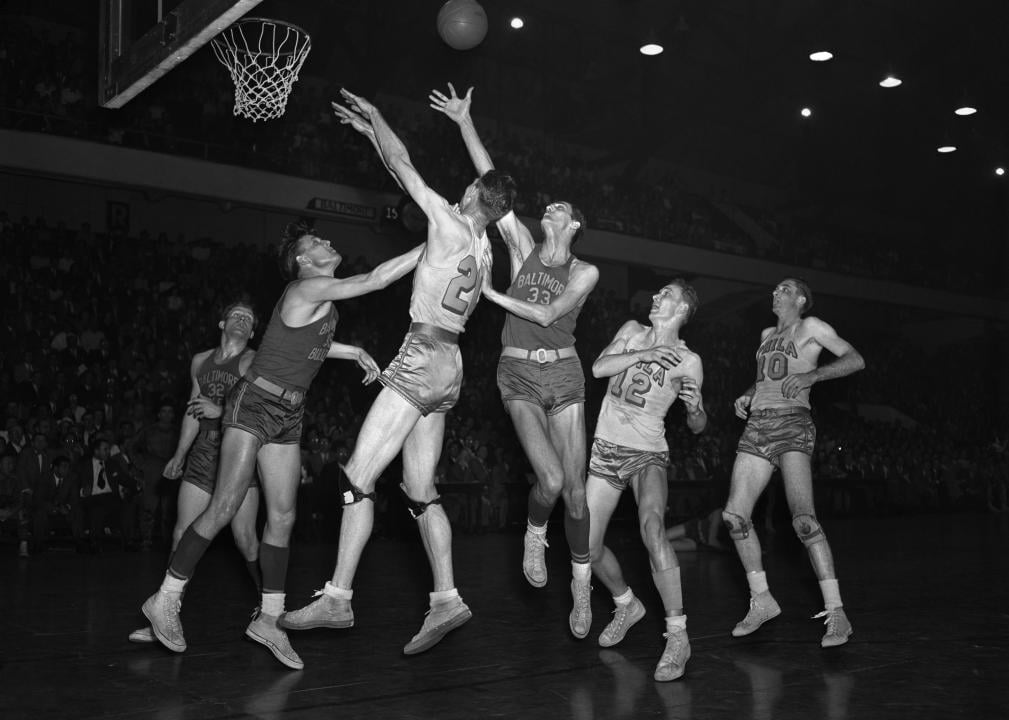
(667,582)
(577,532)
(257,577)
(831,594)
(273,562)
(757,581)
(441,596)
(539,513)
(581,572)
(337,593)
(272,603)
(191,548)
(674,622)
(624,598)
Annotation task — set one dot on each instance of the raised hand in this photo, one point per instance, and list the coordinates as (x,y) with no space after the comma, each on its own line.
(357,103)
(354,119)
(455,107)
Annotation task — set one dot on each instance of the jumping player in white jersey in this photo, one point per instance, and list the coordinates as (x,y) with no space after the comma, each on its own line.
(780,434)
(648,368)
(421,384)
(539,374)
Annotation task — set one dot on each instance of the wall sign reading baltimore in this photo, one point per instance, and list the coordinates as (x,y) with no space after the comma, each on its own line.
(344,209)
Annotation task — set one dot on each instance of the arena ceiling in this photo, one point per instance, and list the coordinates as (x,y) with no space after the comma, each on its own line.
(725,95)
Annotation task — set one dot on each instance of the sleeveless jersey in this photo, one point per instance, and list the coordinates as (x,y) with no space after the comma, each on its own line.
(535,282)
(215,380)
(778,357)
(446,296)
(633,412)
(291,357)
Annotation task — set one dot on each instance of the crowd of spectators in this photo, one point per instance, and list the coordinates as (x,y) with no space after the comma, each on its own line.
(97,333)
(45,86)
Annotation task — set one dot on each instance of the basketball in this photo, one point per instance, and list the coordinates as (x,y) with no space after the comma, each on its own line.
(462,24)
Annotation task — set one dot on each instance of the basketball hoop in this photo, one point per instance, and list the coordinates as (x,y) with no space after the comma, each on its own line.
(264,57)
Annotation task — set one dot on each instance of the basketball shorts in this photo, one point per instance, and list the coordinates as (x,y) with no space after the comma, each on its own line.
(771,432)
(618,465)
(552,386)
(426,372)
(201,462)
(270,419)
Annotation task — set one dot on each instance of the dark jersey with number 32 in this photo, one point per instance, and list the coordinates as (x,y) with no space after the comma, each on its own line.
(446,296)
(215,380)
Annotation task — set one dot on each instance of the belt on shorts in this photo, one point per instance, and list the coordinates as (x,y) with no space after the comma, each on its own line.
(433,331)
(779,412)
(292,396)
(540,355)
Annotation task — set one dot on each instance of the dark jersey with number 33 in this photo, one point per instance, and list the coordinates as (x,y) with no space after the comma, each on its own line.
(537,283)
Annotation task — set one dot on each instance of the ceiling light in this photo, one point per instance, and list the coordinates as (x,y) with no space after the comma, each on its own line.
(890,81)
(517,23)
(965,110)
(821,56)
(805,112)
(651,48)
(946,148)
(1000,171)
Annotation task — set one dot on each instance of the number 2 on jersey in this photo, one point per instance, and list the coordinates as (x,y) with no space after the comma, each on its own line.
(460,285)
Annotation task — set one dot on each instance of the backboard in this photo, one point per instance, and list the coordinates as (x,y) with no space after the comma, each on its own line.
(141,40)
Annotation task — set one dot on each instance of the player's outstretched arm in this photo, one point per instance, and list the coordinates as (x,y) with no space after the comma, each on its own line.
(583,278)
(360,114)
(516,235)
(320,289)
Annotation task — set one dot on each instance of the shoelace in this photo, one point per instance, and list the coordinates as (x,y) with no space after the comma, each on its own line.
(676,652)
(583,597)
(620,614)
(830,622)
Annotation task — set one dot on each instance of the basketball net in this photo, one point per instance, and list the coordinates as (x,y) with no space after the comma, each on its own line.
(264,57)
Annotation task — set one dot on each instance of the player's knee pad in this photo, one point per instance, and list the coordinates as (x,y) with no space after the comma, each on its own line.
(808,529)
(350,493)
(738,526)
(416,508)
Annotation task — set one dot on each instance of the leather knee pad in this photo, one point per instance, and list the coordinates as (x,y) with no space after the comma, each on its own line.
(350,493)
(415,507)
(738,526)
(808,529)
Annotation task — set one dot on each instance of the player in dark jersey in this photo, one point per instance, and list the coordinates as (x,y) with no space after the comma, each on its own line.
(213,372)
(780,434)
(539,373)
(262,426)
(421,384)
(648,367)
